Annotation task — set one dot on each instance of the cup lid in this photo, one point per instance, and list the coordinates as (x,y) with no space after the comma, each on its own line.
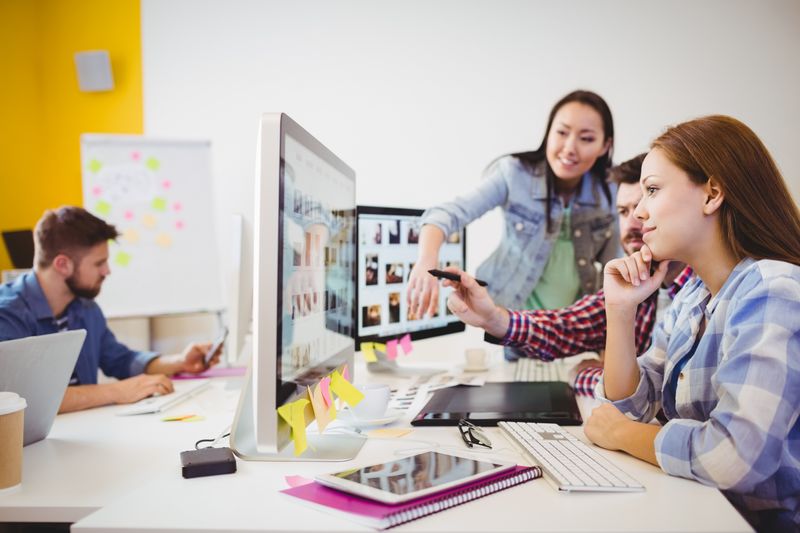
(10,402)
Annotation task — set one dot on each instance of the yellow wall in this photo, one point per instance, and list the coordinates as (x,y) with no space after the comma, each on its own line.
(43,111)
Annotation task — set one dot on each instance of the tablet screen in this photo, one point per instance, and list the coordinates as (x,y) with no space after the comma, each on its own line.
(419,472)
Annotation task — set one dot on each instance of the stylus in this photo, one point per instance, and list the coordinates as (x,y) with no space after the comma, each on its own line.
(452,277)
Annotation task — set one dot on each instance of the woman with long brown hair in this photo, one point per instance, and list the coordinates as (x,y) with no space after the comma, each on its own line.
(725,362)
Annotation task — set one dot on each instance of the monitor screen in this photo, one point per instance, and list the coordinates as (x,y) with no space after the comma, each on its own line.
(19,244)
(387,250)
(303,288)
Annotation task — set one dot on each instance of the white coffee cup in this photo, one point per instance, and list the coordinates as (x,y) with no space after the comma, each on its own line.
(375,402)
(12,412)
(477,359)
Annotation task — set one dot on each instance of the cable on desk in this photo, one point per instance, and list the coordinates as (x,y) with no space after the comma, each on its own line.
(212,441)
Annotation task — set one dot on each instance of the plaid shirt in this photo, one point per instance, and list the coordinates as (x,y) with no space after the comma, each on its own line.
(580,327)
(733,397)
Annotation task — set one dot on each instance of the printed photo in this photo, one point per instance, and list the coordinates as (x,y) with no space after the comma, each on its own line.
(394,273)
(394,307)
(394,232)
(371,315)
(371,269)
(413,233)
(371,232)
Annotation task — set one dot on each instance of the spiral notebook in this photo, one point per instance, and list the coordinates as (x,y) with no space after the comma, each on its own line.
(382,515)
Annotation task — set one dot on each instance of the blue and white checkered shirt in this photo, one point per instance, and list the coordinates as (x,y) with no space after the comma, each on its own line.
(733,408)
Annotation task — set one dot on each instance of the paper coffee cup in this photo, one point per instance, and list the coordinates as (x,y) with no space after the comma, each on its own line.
(12,409)
(476,359)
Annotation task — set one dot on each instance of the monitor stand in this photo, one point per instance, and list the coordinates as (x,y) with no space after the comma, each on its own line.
(328,447)
(385,366)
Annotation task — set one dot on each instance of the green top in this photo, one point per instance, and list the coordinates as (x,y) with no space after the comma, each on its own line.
(560,283)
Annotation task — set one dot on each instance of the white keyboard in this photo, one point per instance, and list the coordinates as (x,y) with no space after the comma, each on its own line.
(568,461)
(156,404)
(537,370)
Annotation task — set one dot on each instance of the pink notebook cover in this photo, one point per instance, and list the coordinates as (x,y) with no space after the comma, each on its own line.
(383,515)
(215,372)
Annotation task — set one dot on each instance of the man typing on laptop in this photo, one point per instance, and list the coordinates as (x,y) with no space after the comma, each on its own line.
(70,265)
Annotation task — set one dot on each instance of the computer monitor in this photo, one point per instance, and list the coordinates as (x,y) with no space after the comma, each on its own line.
(303,289)
(387,250)
(19,244)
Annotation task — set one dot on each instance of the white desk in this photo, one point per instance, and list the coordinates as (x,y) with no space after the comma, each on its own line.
(112,473)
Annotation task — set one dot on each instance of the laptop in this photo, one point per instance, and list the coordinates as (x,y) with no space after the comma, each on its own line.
(549,401)
(38,369)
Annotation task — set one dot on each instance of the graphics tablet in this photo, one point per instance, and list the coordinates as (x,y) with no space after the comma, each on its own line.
(517,401)
(405,479)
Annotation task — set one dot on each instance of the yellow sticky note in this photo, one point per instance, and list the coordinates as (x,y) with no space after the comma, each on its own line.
(379,346)
(152,163)
(368,352)
(159,203)
(293,414)
(95,165)
(345,390)
(122,259)
(322,413)
(103,208)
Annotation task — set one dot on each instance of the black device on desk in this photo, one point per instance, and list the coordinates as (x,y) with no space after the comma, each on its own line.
(546,401)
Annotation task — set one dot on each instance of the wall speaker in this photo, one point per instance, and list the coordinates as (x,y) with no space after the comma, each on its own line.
(94,71)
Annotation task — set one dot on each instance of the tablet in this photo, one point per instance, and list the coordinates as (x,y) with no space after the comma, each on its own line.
(405,479)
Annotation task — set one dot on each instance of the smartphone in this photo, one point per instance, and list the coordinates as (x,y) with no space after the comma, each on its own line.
(452,277)
(214,347)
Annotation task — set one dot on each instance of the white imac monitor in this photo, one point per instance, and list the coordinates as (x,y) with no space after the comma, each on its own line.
(303,289)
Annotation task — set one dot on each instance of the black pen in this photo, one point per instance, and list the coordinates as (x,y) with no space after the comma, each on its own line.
(452,277)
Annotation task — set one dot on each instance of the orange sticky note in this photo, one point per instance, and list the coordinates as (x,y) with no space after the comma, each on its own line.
(345,390)
(391,350)
(322,413)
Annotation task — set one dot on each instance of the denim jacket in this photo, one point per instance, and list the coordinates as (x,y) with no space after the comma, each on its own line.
(514,268)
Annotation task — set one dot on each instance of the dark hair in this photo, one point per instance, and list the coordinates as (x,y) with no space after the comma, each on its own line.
(68,230)
(600,168)
(627,172)
(758,217)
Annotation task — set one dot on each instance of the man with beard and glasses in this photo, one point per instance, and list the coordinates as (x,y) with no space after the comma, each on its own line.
(581,327)
(70,265)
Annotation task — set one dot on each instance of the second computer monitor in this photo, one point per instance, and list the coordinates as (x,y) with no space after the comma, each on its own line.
(388,242)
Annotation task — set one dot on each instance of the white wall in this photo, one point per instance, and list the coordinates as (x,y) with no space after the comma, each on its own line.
(419,96)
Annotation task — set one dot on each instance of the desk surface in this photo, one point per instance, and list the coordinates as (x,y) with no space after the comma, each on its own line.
(123,473)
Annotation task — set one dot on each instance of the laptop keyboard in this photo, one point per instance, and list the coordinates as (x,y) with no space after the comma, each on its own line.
(537,370)
(568,461)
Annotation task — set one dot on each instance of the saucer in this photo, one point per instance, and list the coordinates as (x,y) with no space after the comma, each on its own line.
(349,419)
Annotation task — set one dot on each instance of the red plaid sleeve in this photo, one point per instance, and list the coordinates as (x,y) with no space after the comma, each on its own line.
(586,380)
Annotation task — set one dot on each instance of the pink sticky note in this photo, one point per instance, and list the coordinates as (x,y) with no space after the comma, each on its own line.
(177,206)
(346,373)
(166,184)
(296,481)
(405,343)
(136,156)
(129,215)
(391,349)
(324,387)
(179,224)
(97,190)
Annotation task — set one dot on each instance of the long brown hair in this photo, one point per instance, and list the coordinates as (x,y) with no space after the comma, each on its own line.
(758,216)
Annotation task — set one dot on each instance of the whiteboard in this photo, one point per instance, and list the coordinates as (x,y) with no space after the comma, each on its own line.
(158,195)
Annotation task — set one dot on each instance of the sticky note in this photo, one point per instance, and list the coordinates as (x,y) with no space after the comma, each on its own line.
(322,413)
(95,165)
(122,259)
(131,235)
(346,373)
(152,163)
(179,224)
(177,206)
(324,389)
(166,184)
(293,414)
(176,418)
(296,481)
(136,156)
(391,350)
(368,351)
(128,215)
(345,390)
(389,433)
(164,240)
(405,343)
(103,208)
(97,190)
(149,221)
(159,203)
